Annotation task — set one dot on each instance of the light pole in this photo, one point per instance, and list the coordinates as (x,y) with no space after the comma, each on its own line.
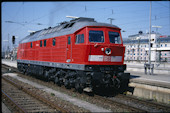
(111,20)
(149,60)
(149,66)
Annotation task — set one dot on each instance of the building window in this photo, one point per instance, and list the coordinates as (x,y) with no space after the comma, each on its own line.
(41,43)
(128,51)
(165,45)
(54,40)
(45,43)
(161,45)
(146,52)
(165,54)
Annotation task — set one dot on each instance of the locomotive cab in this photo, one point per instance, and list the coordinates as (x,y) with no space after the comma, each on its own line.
(103,56)
(102,48)
(106,46)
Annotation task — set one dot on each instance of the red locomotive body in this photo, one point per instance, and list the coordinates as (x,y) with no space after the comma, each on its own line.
(81,53)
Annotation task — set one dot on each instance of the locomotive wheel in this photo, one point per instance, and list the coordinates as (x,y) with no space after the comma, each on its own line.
(66,83)
(78,85)
(24,70)
(46,76)
(57,81)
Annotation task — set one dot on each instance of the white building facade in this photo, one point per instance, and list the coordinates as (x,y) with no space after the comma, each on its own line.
(137,48)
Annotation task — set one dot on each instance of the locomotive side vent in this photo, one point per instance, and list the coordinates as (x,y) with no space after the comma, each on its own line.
(68,25)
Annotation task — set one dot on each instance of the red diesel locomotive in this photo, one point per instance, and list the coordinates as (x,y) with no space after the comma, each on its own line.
(81,53)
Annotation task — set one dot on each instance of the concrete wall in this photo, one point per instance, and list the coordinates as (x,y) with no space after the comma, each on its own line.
(150,92)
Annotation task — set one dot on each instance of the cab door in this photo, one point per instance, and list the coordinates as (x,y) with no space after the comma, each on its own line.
(69,49)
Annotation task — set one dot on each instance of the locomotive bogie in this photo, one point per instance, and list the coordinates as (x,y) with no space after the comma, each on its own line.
(78,79)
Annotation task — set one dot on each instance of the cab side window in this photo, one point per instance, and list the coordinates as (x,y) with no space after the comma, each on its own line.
(79,38)
(114,37)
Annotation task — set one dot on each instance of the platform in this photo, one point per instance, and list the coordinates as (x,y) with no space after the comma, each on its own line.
(159,68)
(153,87)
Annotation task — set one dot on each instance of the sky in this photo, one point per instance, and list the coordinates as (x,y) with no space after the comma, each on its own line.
(18,18)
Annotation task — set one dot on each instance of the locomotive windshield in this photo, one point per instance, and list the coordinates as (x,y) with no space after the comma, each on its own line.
(114,37)
(96,36)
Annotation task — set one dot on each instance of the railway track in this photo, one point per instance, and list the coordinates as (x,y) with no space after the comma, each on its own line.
(119,103)
(143,104)
(25,99)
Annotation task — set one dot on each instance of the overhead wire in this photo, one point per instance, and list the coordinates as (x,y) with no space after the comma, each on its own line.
(26,23)
(87,9)
(161,3)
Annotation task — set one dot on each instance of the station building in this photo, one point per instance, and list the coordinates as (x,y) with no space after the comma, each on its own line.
(137,47)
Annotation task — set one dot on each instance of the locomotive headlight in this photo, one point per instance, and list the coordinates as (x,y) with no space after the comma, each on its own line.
(108,51)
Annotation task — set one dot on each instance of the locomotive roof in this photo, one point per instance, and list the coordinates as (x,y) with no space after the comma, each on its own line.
(63,29)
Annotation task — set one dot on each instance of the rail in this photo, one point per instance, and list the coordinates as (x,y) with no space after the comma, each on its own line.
(53,105)
(13,102)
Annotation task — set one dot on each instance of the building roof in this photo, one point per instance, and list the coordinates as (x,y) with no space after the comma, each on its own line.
(163,39)
(142,35)
(144,41)
(128,41)
(63,29)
